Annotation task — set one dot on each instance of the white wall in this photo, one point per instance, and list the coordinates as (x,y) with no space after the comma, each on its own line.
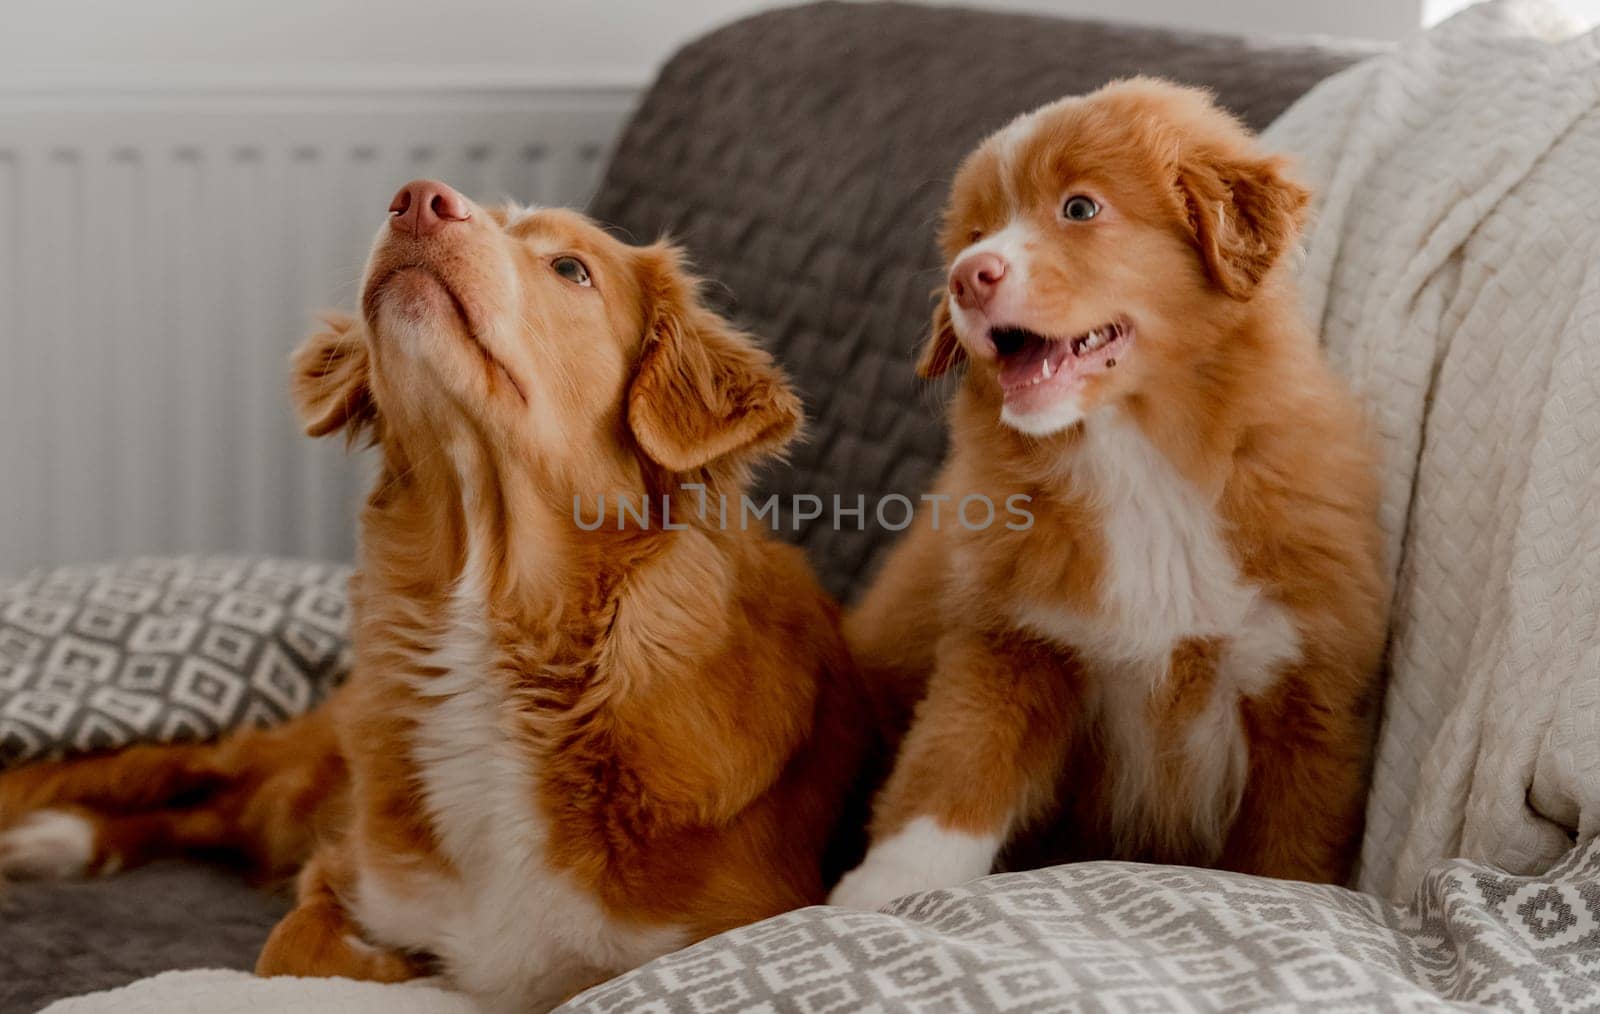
(156,41)
(1370,19)
(151,283)
(554,38)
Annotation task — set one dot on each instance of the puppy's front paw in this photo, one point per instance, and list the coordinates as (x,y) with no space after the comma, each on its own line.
(47,845)
(873,885)
(921,856)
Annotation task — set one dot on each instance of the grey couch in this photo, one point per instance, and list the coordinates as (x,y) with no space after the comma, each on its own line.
(802,156)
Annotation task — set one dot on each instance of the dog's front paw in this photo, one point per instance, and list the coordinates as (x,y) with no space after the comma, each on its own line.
(47,845)
(874,884)
(921,856)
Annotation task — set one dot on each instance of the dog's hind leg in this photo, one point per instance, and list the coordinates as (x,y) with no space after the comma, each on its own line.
(263,795)
(139,777)
(59,843)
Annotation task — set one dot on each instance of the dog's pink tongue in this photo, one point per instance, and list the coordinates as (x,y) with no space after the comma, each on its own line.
(1027,364)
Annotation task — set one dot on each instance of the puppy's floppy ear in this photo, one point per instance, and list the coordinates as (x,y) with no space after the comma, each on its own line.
(1243,212)
(703,391)
(943,350)
(330,379)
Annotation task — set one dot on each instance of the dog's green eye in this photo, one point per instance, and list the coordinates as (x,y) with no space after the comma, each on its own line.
(571,269)
(1079,208)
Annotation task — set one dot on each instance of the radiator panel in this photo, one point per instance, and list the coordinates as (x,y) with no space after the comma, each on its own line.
(161,256)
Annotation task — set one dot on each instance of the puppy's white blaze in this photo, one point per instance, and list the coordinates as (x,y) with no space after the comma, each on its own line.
(1010,140)
(47,845)
(1169,576)
(1011,244)
(921,856)
(513,932)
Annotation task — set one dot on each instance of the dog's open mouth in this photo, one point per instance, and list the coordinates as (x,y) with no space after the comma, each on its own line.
(1028,358)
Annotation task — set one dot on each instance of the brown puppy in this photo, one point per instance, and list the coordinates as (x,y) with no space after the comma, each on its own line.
(1171,663)
(566,747)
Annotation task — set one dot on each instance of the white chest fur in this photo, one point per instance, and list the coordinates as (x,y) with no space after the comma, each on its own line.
(1167,576)
(510,930)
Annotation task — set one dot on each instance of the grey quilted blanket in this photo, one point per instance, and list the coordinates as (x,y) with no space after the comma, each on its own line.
(1126,937)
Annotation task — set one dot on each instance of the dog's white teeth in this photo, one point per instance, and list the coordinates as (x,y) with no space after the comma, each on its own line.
(1096,339)
(1046,369)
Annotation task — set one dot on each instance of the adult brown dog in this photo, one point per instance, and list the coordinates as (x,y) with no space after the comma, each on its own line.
(566,747)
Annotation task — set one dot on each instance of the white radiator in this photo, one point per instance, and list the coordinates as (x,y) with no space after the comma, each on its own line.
(160,255)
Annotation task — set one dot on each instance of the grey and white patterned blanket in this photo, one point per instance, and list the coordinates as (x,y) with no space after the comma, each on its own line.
(1126,937)
(1091,937)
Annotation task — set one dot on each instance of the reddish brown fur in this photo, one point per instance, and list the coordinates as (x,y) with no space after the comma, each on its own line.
(260,796)
(1226,382)
(686,697)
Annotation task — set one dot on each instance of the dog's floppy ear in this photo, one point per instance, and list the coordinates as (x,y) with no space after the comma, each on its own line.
(331,381)
(942,350)
(703,392)
(1243,212)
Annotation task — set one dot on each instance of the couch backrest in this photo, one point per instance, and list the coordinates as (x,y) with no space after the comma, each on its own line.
(802,156)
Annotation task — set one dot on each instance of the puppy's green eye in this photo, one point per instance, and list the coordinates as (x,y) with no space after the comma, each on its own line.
(1079,208)
(571,269)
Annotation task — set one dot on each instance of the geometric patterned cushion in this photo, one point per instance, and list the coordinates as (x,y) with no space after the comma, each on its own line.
(1105,936)
(153,650)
